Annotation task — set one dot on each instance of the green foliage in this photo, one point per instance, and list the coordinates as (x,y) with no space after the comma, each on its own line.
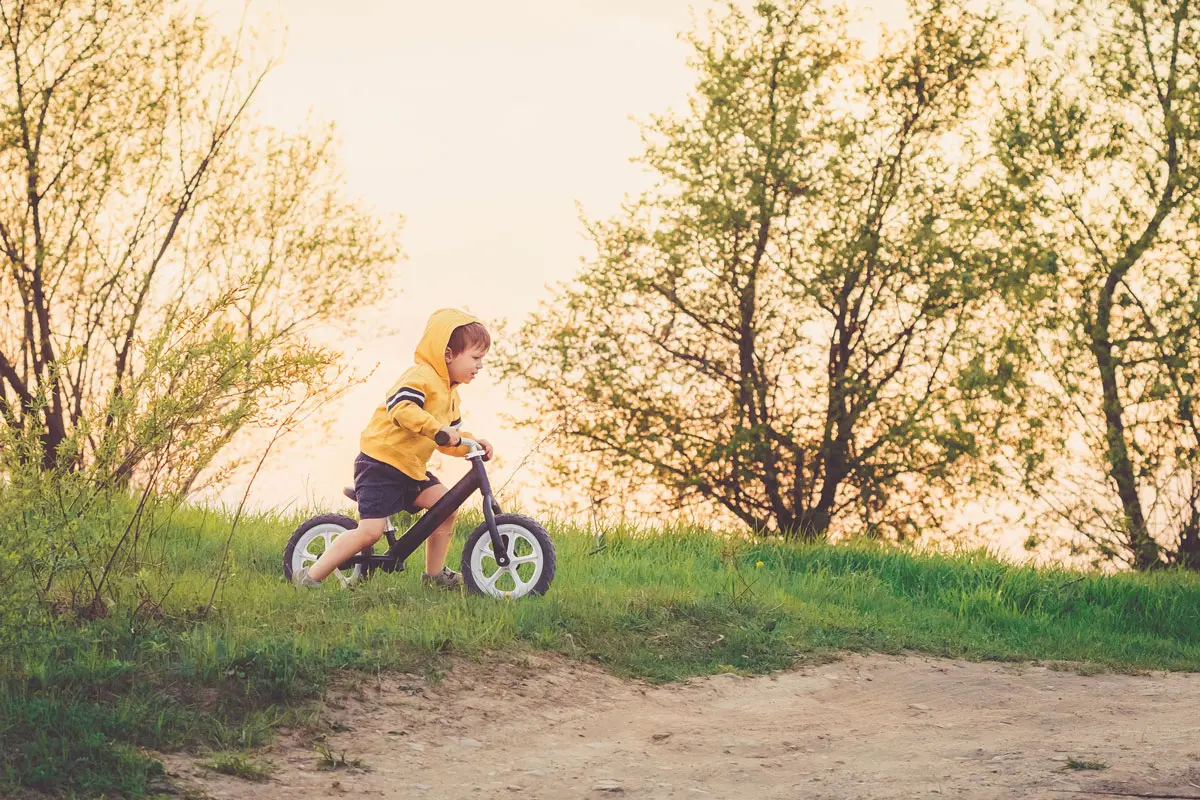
(805,323)
(166,262)
(79,698)
(166,259)
(76,546)
(1099,137)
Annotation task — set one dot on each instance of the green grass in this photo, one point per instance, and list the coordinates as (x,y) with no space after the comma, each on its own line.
(239,765)
(328,760)
(78,702)
(1076,763)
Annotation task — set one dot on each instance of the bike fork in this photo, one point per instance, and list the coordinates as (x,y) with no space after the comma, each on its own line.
(490,509)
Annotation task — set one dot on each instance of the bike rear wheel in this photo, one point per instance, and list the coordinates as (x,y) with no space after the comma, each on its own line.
(312,538)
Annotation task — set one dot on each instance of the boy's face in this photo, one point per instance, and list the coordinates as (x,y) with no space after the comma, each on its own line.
(464,366)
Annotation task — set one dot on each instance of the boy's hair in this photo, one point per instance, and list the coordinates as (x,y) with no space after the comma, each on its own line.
(467,336)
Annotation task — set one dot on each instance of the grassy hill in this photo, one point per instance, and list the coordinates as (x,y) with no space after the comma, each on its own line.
(77,701)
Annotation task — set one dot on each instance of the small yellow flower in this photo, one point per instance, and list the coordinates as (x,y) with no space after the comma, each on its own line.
(758,563)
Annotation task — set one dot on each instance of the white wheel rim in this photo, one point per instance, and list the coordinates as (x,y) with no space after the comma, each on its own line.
(513,580)
(303,555)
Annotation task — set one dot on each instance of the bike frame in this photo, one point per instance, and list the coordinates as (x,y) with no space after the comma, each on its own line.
(400,549)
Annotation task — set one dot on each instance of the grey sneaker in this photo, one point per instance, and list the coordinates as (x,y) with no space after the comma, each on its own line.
(300,578)
(446,579)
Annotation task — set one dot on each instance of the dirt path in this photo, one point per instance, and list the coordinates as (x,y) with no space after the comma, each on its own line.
(862,727)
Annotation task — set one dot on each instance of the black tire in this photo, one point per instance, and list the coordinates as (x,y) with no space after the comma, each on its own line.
(358,572)
(540,540)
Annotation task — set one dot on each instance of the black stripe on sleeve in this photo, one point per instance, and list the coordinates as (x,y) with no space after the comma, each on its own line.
(406,393)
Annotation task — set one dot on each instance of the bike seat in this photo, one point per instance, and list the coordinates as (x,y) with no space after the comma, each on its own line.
(350,493)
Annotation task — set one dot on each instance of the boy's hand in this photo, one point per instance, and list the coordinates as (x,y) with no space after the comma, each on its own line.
(487,449)
(449,436)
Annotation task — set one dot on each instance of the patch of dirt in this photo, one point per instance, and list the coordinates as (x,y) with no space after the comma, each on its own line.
(862,727)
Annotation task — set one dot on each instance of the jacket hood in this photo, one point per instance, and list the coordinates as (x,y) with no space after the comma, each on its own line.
(432,348)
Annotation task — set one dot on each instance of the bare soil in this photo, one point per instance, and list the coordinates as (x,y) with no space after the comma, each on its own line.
(861,727)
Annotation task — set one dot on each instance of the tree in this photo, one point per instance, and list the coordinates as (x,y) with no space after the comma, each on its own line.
(1101,143)
(165,259)
(804,320)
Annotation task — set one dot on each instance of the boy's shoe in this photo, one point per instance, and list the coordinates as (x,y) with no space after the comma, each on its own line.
(446,579)
(300,578)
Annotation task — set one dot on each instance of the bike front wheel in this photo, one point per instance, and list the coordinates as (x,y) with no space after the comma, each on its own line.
(531,559)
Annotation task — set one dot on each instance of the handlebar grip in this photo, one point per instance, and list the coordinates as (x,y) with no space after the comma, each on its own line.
(442,438)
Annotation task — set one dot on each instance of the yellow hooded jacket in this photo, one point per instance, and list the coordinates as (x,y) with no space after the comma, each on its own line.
(419,405)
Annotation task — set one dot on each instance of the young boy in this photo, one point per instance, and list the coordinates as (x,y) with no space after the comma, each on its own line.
(390,473)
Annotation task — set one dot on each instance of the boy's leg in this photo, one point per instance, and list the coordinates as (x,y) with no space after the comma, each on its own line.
(346,545)
(438,543)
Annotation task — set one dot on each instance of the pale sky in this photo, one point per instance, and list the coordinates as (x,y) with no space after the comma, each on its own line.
(484,124)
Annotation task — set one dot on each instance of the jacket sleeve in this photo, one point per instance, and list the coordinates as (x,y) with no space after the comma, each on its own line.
(406,407)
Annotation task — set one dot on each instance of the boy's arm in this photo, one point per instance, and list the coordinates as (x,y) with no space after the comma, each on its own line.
(406,407)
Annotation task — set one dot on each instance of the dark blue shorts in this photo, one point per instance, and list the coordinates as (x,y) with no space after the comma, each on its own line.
(384,490)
